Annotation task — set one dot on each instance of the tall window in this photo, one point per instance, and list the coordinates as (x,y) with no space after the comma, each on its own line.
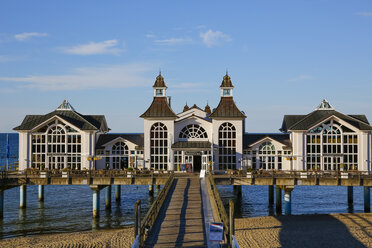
(227,146)
(193,131)
(332,146)
(56,146)
(120,155)
(159,146)
(266,153)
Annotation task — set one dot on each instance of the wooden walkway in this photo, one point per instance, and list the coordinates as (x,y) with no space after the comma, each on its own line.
(180,223)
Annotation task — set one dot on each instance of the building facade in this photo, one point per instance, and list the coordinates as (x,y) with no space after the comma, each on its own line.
(196,139)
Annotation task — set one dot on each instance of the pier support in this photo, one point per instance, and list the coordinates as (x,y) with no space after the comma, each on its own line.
(367,199)
(271,195)
(1,203)
(238,190)
(350,197)
(151,189)
(41,193)
(288,199)
(96,199)
(278,196)
(22,196)
(158,187)
(108,197)
(117,193)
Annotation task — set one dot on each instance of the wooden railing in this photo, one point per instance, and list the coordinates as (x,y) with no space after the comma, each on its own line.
(297,174)
(221,211)
(10,167)
(152,213)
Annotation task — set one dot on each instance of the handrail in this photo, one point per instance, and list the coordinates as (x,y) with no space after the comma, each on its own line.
(220,207)
(154,210)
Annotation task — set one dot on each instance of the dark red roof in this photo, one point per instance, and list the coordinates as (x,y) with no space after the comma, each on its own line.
(226,82)
(227,109)
(159,82)
(159,108)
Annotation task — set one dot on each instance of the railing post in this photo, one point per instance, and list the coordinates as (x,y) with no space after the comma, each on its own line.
(231,221)
(137,218)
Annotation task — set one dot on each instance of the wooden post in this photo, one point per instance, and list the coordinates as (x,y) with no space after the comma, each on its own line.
(137,218)
(231,221)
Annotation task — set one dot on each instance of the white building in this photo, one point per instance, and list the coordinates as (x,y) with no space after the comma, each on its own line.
(196,139)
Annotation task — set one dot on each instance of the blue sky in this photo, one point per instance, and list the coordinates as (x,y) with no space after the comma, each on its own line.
(283,57)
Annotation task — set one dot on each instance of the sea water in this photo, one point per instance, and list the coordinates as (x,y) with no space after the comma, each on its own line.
(69,208)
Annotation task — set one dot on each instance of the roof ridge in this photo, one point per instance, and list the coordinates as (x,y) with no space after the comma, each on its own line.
(306,116)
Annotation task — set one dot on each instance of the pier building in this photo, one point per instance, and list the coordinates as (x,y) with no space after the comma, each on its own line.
(196,139)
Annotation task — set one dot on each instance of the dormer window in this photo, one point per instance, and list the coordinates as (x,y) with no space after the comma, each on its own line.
(159,92)
(226,92)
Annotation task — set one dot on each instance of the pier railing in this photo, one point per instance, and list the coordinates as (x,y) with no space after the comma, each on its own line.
(220,211)
(152,213)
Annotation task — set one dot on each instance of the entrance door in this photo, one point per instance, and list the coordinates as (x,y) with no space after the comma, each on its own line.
(197,163)
(123,163)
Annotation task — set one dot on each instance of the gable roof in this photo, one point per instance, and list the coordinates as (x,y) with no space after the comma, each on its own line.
(83,122)
(301,122)
(136,138)
(251,138)
(227,109)
(159,108)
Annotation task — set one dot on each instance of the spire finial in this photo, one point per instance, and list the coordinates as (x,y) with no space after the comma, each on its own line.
(159,71)
(227,71)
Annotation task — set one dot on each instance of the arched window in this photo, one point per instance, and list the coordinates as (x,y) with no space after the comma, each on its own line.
(266,153)
(332,146)
(227,146)
(56,146)
(121,160)
(159,146)
(193,131)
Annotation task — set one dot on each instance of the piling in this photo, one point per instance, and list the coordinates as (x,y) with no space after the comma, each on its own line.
(367,199)
(271,195)
(96,203)
(22,196)
(350,197)
(288,200)
(108,197)
(41,193)
(1,204)
(151,189)
(278,196)
(117,193)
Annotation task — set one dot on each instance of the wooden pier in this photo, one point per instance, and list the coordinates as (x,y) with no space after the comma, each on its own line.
(180,222)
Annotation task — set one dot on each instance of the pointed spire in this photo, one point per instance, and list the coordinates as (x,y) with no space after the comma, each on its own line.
(207,109)
(186,107)
(65,105)
(324,105)
(226,82)
(159,82)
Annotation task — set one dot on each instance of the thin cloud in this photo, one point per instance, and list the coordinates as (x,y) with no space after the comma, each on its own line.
(26,36)
(4,59)
(300,78)
(368,14)
(93,48)
(212,38)
(115,76)
(174,41)
(150,36)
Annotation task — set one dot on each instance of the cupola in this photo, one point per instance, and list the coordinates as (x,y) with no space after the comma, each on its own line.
(65,105)
(324,105)
(226,86)
(159,86)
